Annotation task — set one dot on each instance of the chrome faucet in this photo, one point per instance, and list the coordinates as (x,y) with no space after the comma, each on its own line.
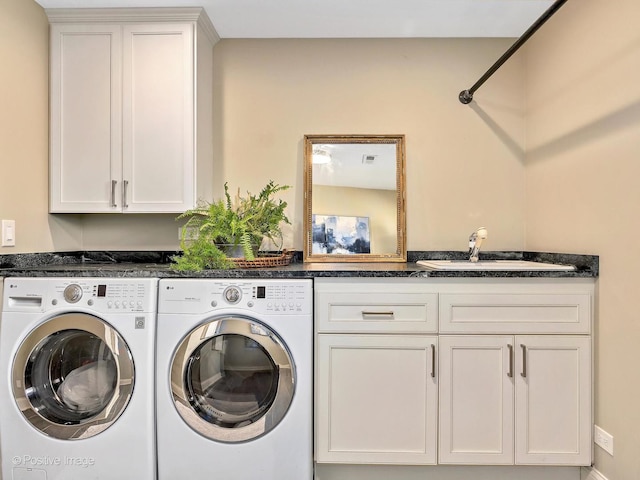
(475,242)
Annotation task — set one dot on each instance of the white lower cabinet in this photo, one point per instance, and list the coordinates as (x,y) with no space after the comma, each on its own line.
(523,400)
(553,400)
(454,371)
(378,401)
(476,400)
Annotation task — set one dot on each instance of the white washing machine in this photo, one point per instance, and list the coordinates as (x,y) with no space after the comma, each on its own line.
(234,379)
(77,379)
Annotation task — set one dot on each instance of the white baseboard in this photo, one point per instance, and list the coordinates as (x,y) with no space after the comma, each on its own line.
(594,474)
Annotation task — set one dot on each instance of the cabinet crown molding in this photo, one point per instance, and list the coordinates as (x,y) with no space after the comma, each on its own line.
(135,15)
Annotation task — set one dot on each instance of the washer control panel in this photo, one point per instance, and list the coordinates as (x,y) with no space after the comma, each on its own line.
(269,296)
(99,294)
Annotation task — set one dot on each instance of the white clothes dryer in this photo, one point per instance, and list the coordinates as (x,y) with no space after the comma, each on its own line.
(77,379)
(234,379)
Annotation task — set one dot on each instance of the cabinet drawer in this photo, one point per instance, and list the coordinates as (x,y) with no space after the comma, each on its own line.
(377,312)
(515,313)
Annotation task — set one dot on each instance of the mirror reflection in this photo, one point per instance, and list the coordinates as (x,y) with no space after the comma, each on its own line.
(354,198)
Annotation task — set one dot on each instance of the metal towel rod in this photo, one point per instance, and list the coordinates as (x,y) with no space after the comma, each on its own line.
(466,96)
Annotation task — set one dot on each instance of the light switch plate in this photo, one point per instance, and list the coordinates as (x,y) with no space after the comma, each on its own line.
(8,233)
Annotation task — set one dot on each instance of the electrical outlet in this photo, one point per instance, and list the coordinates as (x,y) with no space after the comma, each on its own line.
(603,439)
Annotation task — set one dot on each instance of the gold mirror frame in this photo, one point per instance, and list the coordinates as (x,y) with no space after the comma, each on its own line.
(399,254)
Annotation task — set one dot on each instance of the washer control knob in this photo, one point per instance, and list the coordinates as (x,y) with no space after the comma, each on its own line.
(232,295)
(73,293)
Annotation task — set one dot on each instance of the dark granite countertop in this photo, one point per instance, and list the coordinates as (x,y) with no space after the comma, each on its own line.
(158,264)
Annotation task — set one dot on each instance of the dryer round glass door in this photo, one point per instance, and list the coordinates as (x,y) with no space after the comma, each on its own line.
(232,379)
(73,376)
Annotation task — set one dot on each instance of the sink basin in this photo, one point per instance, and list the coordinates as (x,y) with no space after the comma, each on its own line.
(492,265)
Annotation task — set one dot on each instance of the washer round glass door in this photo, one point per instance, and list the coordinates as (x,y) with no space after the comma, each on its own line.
(232,379)
(73,376)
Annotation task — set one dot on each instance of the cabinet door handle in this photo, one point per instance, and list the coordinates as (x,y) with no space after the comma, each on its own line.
(377,314)
(524,361)
(433,361)
(113,193)
(125,184)
(510,372)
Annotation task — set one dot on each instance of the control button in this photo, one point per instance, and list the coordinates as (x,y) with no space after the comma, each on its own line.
(249,304)
(232,295)
(72,293)
(54,302)
(109,304)
(214,303)
(90,302)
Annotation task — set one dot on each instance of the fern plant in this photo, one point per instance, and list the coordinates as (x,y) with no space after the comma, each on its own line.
(243,222)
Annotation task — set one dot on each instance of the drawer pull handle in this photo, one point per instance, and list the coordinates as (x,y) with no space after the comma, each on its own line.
(510,372)
(524,361)
(377,314)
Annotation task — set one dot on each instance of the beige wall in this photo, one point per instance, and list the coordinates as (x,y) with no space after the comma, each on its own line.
(583,191)
(24,53)
(464,166)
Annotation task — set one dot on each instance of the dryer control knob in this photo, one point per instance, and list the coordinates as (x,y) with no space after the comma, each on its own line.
(232,295)
(73,293)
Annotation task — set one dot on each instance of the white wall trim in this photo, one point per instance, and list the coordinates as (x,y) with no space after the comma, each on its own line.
(594,474)
(121,15)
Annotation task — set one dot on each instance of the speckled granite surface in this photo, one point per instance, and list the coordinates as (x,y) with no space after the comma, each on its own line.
(158,264)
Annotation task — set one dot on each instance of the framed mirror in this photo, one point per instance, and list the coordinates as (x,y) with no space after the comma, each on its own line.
(354,198)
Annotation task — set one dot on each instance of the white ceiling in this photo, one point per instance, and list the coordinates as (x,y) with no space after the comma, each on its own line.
(350,18)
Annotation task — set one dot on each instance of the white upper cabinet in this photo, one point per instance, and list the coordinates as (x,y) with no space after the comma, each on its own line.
(131,113)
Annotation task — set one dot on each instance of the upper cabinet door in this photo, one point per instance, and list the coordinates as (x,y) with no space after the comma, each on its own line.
(85,143)
(158,118)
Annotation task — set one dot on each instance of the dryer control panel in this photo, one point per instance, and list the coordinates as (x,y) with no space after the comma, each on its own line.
(98,294)
(272,296)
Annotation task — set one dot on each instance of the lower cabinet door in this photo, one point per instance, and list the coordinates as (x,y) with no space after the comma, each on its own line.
(553,400)
(376,399)
(476,400)
(543,381)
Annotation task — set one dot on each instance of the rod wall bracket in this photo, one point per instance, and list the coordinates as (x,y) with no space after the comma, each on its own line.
(465,97)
